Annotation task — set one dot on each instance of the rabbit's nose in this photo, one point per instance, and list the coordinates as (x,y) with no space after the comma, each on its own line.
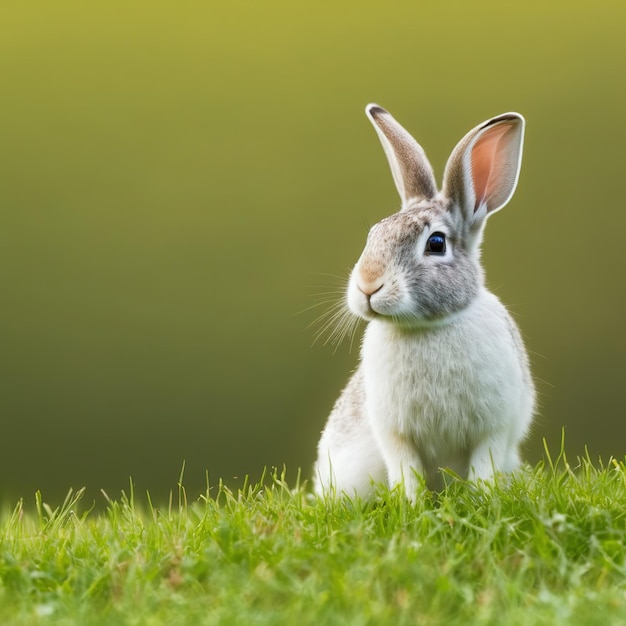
(369,287)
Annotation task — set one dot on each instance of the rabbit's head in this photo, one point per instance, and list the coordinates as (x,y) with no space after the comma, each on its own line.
(421,265)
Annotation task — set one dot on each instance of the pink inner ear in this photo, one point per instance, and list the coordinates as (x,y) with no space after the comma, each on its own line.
(488,162)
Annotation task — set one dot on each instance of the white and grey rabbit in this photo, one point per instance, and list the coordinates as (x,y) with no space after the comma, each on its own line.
(444,379)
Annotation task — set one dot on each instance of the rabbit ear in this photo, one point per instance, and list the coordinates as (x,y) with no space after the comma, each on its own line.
(410,168)
(482,171)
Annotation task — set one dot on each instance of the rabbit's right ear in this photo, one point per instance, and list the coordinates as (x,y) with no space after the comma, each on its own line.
(410,168)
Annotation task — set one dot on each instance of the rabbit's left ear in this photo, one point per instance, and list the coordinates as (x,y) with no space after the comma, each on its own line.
(482,171)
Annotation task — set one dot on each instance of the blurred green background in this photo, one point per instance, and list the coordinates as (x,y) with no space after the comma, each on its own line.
(180,181)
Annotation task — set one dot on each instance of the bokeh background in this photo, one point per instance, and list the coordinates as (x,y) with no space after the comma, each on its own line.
(180,181)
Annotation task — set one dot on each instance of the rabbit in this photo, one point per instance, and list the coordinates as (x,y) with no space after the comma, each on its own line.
(444,379)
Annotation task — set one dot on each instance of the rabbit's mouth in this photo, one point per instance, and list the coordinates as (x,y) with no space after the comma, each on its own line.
(376,297)
(365,311)
(378,305)
(390,305)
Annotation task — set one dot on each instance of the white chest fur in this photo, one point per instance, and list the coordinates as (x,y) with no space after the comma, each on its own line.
(447,388)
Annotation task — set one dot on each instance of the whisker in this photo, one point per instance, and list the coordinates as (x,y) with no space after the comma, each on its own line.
(335,276)
(346,328)
(316,305)
(335,323)
(329,319)
(334,293)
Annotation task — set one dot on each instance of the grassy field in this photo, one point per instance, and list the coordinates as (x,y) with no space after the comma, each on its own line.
(545,546)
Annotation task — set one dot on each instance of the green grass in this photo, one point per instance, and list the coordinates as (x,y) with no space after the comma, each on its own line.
(545,546)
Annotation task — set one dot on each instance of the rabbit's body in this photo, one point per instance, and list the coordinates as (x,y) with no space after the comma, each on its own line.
(400,402)
(444,380)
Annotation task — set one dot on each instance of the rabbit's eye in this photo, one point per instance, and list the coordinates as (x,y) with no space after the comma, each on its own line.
(436,244)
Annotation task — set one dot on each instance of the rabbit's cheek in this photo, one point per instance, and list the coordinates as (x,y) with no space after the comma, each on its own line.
(447,289)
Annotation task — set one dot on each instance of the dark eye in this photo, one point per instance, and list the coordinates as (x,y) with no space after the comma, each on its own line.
(436,244)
